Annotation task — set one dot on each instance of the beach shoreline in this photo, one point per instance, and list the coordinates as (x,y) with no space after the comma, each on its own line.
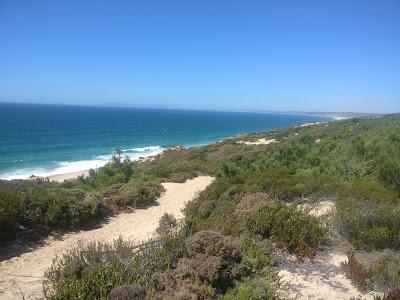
(68,176)
(61,177)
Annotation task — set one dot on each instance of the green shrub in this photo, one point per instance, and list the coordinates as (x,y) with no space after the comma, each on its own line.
(256,289)
(7,229)
(389,171)
(391,295)
(210,259)
(93,270)
(382,274)
(172,172)
(138,193)
(125,292)
(171,287)
(56,208)
(368,224)
(385,272)
(356,272)
(300,232)
(90,271)
(168,224)
(118,170)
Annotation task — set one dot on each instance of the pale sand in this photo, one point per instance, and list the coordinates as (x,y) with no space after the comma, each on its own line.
(262,141)
(312,124)
(321,278)
(24,273)
(61,177)
(320,208)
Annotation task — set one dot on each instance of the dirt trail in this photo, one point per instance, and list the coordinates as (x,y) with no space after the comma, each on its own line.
(22,275)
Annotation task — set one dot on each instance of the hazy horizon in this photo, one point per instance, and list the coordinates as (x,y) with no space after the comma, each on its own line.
(167,107)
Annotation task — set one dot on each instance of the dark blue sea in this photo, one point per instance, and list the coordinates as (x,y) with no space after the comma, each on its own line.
(49,139)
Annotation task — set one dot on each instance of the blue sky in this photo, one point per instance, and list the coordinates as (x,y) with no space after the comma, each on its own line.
(266,55)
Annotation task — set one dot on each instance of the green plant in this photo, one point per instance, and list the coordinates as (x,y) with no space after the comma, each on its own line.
(210,259)
(138,193)
(356,272)
(168,224)
(385,272)
(126,291)
(368,224)
(300,232)
(258,289)
(392,295)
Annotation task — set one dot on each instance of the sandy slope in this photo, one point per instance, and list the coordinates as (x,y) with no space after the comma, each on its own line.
(23,274)
(262,141)
(321,278)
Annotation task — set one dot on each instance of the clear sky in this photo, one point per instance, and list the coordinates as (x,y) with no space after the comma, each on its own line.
(267,55)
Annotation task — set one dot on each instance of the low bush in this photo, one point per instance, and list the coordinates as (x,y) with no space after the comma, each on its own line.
(356,272)
(119,170)
(169,286)
(125,292)
(248,202)
(7,229)
(369,225)
(168,224)
(56,208)
(256,289)
(46,207)
(138,193)
(210,259)
(385,272)
(172,171)
(212,264)
(204,265)
(392,295)
(90,271)
(382,274)
(300,232)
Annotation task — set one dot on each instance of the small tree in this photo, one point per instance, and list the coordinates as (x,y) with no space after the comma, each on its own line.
(117,157)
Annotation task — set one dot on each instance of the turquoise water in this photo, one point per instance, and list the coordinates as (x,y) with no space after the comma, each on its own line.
(46,139)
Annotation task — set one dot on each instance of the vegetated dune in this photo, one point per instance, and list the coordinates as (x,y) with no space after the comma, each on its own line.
(261,141)
(322,277)
(21,276)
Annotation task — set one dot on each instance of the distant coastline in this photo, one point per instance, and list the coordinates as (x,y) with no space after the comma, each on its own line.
(61,177)
(70,139)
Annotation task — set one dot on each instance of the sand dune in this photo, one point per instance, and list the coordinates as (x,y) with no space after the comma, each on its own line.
(262,141)
(320,278)
(22,275)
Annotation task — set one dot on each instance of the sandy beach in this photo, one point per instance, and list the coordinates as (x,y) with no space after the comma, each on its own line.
(22,275)
(62,177)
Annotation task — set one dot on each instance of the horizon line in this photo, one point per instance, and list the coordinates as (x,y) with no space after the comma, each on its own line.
(349,114)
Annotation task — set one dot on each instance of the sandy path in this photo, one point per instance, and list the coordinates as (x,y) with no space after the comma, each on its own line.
(24,273)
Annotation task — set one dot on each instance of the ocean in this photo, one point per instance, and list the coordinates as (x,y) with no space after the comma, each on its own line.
(48,139)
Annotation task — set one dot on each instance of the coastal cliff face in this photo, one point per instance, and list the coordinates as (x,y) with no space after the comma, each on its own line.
(306,203)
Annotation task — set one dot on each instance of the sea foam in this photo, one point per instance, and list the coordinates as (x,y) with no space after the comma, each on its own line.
(65,167)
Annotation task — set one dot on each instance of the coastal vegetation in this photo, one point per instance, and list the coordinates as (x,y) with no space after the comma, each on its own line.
(45,206)
(224,246)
